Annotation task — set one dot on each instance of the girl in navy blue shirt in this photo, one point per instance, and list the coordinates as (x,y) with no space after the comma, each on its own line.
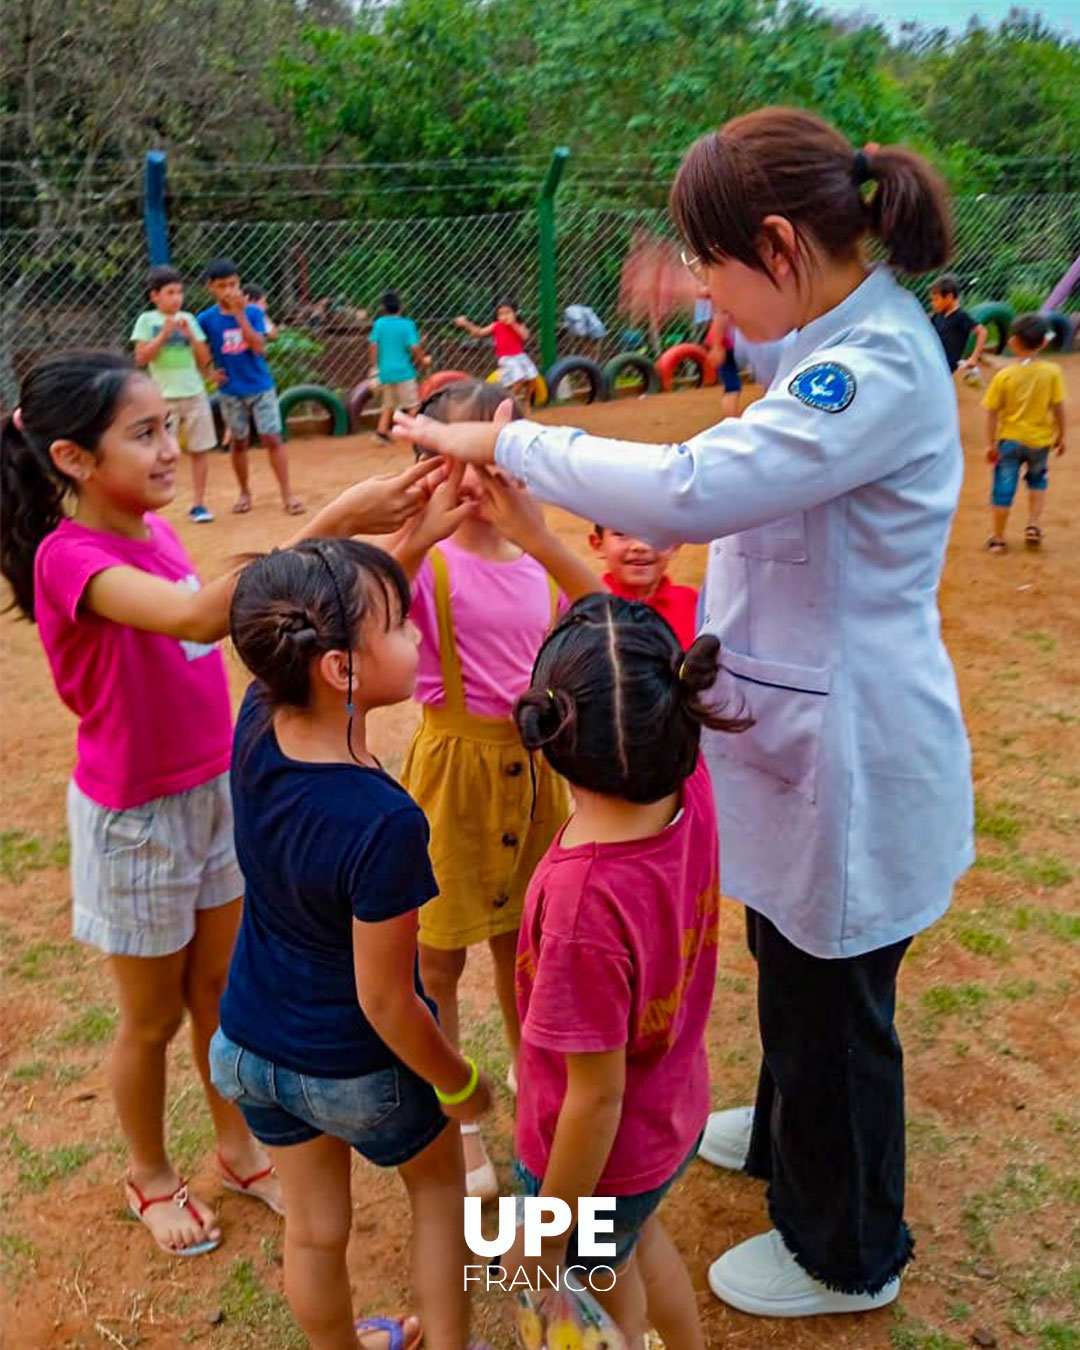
(327,1041)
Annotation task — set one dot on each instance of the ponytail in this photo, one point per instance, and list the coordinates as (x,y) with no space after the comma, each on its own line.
(789,162)
(71,396)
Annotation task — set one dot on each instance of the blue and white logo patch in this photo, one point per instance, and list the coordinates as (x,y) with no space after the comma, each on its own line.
(828,386)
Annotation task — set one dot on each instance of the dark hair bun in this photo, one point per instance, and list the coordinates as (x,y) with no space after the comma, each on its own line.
(542,716)
(699,668)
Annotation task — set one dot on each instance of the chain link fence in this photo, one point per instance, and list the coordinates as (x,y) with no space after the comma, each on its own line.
(83,285)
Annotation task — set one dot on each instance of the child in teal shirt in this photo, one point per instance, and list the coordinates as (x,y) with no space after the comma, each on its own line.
(395,354)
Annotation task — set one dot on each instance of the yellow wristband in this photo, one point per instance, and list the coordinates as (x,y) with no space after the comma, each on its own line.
(456,1098)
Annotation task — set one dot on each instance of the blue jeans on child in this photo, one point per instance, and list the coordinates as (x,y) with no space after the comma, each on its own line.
(1013,454)
(632,1213)
(388,1116)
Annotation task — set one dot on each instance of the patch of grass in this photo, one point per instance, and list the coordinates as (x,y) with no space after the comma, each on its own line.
(66,1074)
(983,942)
(910,1334)
(1014,990)
(998,822)
(39,1168)
(958,1312)
(1065,927)
(1043,870)
(94,1026)
(15,1254)
(976,1223)
(944,1000)
(1058,1336)
(26,1073)
(1043,642)
(40,959)
(258,1317)
(21,852)
(924,1134)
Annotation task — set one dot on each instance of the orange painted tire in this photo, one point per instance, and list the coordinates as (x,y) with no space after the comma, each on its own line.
(674,357)
(440,380)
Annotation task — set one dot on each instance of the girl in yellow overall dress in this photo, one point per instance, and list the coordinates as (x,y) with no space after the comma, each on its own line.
(483,607)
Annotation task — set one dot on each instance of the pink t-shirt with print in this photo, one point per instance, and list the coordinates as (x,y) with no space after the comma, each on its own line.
(618,949)
(501,613)
(153,711)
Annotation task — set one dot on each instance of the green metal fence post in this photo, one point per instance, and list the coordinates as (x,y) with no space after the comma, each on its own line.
(545,220)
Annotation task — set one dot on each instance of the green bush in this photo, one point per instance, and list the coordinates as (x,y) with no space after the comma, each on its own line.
(293,358)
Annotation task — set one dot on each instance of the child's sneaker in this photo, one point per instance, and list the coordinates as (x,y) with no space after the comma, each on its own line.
(201,515)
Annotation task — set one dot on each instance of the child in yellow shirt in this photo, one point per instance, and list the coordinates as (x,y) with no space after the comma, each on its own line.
(1026,403)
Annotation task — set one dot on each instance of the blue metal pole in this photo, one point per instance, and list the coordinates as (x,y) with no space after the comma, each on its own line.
(154,217)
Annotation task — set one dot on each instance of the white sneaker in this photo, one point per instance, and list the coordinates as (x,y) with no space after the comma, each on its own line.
(760,1276)
(726,1140)
(481,1181)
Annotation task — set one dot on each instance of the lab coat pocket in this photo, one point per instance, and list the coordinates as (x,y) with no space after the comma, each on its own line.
(788,705)
(781,540)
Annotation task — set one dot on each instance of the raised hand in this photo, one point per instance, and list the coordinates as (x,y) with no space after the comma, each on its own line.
(382,504)
(473,442)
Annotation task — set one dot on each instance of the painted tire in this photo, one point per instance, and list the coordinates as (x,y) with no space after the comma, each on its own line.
(313,393)
(440,380)
(995,318)
(1061,331)
(358,398)
(581,366)
(636,363)
(674,357)
(540,389)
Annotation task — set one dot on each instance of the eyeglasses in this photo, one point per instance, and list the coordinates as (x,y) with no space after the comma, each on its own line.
(693,264)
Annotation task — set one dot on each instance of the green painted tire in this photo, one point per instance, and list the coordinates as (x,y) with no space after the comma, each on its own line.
(995,318)
(636,363)
(313,393)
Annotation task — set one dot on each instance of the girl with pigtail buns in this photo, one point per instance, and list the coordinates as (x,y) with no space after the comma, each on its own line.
(617,953)
(846,811)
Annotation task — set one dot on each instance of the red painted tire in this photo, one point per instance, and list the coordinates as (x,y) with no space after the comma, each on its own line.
(359,396)
(675,356)
(440,380)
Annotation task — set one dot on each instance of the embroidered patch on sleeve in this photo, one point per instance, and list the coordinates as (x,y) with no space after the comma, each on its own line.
(828,386)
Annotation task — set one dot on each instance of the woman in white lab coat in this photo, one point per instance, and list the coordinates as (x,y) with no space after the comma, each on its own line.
(846,811)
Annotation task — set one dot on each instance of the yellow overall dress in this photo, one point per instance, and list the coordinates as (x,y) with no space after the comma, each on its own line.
(471,777)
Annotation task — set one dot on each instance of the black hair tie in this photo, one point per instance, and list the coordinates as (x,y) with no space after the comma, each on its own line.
(861,171)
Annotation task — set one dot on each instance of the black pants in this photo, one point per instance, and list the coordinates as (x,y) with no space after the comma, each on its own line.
(829,1118)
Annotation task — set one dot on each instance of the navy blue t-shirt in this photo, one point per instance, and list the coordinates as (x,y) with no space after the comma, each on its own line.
(247,372)
(319,845)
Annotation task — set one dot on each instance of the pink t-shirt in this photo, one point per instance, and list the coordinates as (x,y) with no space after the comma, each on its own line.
(153,711)
(507,340)
(501,613)
(618,949)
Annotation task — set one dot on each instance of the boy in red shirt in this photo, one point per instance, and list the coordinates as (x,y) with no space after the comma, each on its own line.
(634,569)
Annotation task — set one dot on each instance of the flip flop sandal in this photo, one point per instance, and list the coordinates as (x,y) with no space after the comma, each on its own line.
(995,545)
(181,1200)
(242,505)
(242,1185)
(1033,536)
(394,1328)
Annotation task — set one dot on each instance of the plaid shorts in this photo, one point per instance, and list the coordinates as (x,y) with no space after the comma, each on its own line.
(261,409)
(139,876)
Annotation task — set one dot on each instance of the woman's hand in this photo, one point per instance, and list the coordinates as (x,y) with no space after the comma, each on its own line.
(473,442)
(378,505)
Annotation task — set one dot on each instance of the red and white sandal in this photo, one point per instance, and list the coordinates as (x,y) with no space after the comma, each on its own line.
(182,1200)
(242,1185)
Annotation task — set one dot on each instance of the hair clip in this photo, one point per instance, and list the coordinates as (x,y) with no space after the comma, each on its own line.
(17,421)
(680,674)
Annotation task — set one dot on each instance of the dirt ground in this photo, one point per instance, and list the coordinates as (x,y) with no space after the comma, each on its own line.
(989,1013)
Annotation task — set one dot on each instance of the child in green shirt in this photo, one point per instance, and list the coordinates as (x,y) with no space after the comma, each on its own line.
(170,343)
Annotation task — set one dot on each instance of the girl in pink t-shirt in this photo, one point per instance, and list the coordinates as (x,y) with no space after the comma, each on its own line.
(617,955)
(483,607)
(509,334)
(131,638)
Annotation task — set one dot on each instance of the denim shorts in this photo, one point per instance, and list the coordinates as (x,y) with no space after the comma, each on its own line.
(631,1214)
(388,1116)
(1007,470)
(240,412)
(728,374)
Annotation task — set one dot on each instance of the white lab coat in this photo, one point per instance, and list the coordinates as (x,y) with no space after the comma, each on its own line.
(846,812)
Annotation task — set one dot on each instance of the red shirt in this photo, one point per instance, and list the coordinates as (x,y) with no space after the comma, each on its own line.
(618,951)
(678,604)
(507,340)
